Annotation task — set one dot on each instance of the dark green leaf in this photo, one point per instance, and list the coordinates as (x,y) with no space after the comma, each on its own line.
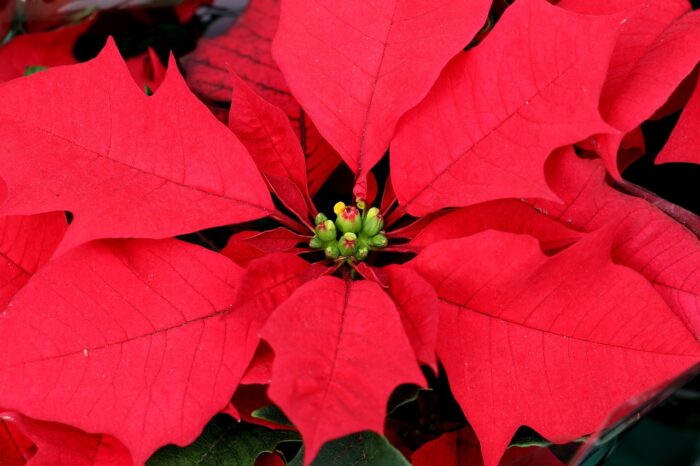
(363,449)
(272,414)
(224,442)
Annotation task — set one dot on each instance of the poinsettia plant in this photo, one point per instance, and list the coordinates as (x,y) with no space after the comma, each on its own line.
(416,196)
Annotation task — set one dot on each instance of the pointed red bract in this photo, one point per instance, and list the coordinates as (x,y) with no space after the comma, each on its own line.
(245,48)
(26,243)
(684,142)
(652,64)
(245,246)
(357,67)
(126,338)
(507,215)
(265,131)
(58,444)
(665,252)
(125,164)
(47,49)
(486,128)
(15,447)
(417,303)
(147,70)
(340,350)
(265,284)
(551,343)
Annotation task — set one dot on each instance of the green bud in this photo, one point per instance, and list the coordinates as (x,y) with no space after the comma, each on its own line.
(316,242)
(361,254)
(360,203)
(326,230)
(378,241)
(373,223)
(320,218)
(347,244)
(332,251)
(362,241)
(349,220)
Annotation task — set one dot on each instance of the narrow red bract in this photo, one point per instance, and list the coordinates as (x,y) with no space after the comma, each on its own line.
(682,146)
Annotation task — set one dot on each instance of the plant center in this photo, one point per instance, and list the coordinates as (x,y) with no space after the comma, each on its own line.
(352,236)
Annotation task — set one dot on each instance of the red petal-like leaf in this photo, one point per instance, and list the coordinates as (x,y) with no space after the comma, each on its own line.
(507,215)
(126,338)
(245,246)
(266,283)
(340,350)
(147,69)
(417,303)
(58,444)
(265,131)
(15,447)
(125,164)
(47,49)
(486,128)
(246,49)
(461,448)
(551,343)
(654,64)
(26,243)
(647,240)
(357,67)
(684,142)
(260,369)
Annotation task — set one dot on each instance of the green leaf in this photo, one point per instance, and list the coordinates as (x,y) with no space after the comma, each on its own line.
(271,413)
(224,442)
(30,70)
(363,449)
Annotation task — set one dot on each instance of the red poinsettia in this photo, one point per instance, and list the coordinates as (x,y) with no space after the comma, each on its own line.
(496,249)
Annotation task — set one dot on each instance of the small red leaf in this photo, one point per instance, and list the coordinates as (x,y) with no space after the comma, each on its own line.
(47,49)
(502,107)
(265,131)
(653,65)
(125,338)
(507,215)
(245,246)
(358,67)
(147,70)
(26,243)
(265,284)
(15,447)
(340,350)
(246,49)
(417,303)
(684,142)
(58,444)
(119,160)
(548,338)
(260,369)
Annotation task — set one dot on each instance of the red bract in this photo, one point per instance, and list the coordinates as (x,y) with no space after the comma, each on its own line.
(317,49)
(547,296)
(685,139)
